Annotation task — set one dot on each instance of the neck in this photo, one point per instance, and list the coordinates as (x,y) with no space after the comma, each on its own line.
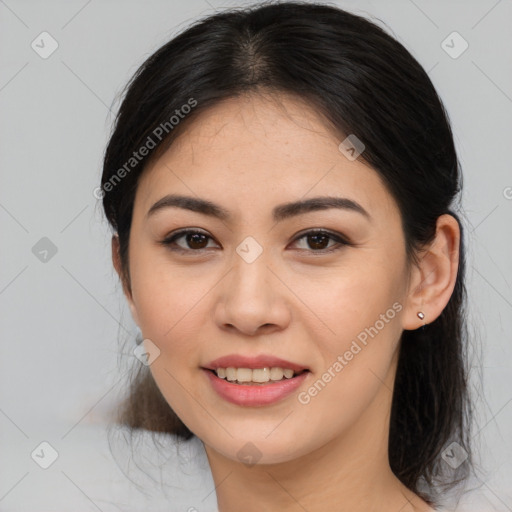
(350,473)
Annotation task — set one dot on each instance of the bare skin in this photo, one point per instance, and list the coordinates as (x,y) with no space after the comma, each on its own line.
(293,301)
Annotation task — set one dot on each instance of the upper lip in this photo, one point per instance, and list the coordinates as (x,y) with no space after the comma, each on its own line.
(260,361)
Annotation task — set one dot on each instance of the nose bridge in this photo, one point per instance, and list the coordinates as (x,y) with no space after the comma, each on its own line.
(250,270)
(250,296)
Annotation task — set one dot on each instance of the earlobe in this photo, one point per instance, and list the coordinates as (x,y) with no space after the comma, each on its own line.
(116,260)
(434,277)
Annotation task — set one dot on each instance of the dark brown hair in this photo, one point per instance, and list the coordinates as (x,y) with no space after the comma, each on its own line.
(363,82)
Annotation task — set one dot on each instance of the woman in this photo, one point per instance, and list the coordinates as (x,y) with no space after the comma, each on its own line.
(281,184)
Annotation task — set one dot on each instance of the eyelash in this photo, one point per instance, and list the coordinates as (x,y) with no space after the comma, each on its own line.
(169,242)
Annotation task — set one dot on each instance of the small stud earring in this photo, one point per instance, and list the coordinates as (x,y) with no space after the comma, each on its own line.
(421,315)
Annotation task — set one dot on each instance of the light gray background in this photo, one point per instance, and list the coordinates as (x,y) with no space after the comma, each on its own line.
(61,319)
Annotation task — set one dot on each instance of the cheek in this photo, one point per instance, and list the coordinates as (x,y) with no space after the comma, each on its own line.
(168,300)
(172,319)
(357,358)
(362,311)
(348,301)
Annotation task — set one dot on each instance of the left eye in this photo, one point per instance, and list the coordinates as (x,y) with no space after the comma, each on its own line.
(196,241)
(319,240)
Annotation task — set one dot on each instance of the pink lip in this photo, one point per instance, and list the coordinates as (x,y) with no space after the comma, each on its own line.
(261,361)
(256,394)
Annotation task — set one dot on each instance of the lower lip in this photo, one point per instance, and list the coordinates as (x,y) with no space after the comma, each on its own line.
(255,395)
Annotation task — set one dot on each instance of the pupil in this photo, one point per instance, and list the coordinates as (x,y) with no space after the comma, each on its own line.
(194,239)
(315,244)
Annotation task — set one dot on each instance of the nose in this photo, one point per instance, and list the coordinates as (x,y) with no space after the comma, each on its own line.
(252,300)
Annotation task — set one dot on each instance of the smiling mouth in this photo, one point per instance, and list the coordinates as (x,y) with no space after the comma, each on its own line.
(257,376)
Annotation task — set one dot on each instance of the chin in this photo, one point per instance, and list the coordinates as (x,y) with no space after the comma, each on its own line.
(258,449)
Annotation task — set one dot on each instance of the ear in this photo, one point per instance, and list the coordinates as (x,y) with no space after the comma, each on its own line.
(433,279)
(116,260)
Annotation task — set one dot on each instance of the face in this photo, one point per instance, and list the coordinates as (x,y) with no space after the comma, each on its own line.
(322,288)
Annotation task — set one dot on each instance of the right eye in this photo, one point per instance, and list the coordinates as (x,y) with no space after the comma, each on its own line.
(195,241)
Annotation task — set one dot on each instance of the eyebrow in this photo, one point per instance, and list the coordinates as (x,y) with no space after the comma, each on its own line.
(279,213)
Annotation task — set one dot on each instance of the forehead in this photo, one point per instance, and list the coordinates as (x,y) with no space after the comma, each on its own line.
(284,126)
(252,150)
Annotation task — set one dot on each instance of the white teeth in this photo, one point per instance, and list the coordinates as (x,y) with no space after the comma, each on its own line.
(230,373)
(288,373)
(276,373)
(261,374)
(258,375)
(243,375)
